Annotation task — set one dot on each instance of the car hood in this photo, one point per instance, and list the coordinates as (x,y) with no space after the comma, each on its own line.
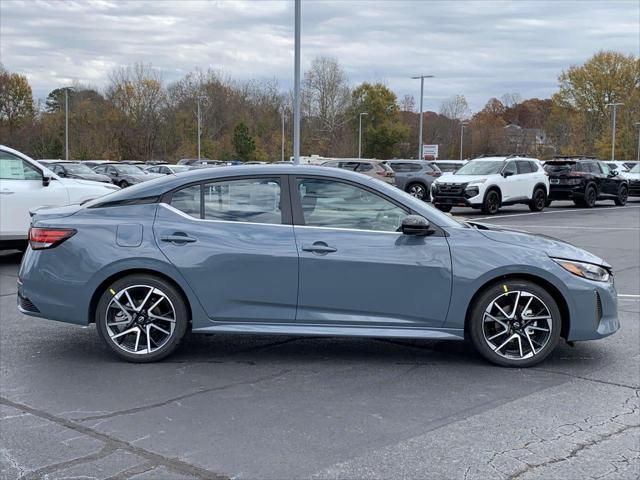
(551,246)
(90,183)
(452,178)
(94,177)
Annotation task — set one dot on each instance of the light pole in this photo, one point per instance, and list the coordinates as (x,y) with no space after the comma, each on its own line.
(613,128)
(296,87)
(360,133)
(463,124)
(637,124)
(66,124)
(421,77)
(282,152)
(199,126)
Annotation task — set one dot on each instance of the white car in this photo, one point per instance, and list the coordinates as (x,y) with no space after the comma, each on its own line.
(168,169)
(633,176)
(491,182)
(26,185)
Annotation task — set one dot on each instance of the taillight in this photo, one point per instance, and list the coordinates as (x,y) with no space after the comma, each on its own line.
(41,238)
(434,173)
(385,173)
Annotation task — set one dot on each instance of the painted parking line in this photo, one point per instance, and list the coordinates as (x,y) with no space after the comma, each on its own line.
(576,228)
(545,212)
(628,295)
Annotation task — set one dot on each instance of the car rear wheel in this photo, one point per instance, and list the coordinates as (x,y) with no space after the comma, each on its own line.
(539,200)
(623,194)
(590,197)
(123,184)
(443,208)
(141,318)
(491,203)
(418,190)
(515,324)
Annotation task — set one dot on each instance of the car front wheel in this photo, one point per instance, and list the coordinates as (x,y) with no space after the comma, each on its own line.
(141,318)
(491,203)
(515,324)
(623,194)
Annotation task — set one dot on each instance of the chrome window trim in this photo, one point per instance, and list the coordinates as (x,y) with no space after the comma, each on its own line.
(185,215)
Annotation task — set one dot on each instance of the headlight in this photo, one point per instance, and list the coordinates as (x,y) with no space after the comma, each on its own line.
(585,270)
(477,182)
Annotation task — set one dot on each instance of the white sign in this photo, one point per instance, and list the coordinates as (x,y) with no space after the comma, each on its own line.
(430,152)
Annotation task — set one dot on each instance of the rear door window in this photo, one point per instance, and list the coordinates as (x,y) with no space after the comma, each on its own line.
(523,166)
(251,200)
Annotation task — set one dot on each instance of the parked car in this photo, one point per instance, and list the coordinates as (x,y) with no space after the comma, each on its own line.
(633,177)
(76,170)
(195,161)
(415,176)
(585,181)
(95,163)
(156,162)
(26,185)
(168,169)
(631,164)
(125,175)
(310,245)
(489,183)
(618,166)
(372,168)
(139,163)
(447,166)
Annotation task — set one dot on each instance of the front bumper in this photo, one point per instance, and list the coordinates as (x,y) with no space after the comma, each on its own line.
(456,194)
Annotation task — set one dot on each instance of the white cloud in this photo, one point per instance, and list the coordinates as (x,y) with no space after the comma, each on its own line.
(476,48)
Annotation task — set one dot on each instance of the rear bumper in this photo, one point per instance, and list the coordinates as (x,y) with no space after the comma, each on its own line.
(561,192)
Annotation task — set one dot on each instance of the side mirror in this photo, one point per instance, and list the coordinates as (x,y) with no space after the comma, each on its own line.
(613,173)
(507,173)
(46,180)
(62,174)
(415,225)
(116,174)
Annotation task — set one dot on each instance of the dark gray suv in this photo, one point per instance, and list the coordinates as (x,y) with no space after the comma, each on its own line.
(415,176)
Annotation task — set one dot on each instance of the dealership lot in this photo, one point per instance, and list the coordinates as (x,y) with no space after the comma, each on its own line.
(298,407)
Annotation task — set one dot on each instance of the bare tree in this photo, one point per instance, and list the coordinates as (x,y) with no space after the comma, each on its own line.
(455,108)
(408,103)
(511,99)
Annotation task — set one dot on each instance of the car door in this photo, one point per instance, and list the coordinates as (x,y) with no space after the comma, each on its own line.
(510,181)
(233,242)
(610,182)
(22,189)
(356,268)
(527,179)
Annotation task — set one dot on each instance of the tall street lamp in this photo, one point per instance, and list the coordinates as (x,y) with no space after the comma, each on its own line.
(637,124)
(282,113)
(420,146)
(296,87)
(199,125)
(613,128)
(360,133)
(66,122)
(463,124)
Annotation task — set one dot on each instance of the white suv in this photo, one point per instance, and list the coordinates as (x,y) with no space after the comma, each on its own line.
(491,182)
(26,185)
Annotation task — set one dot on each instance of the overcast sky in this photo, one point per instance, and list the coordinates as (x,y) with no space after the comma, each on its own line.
(478,49)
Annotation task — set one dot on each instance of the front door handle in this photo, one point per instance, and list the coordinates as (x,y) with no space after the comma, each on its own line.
(178,238)
(319,248)
(6,192)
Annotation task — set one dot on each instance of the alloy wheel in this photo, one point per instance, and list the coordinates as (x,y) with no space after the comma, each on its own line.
(590,198)
(540,200)
(140,319)
(517,325)
(493,203)
(417,190)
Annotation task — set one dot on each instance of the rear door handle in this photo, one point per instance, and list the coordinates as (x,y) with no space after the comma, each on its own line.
(319,248)
(178,238)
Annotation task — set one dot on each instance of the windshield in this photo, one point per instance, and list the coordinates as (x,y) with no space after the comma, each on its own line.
(131,169)
(481,167)
(78,168)
(635,169)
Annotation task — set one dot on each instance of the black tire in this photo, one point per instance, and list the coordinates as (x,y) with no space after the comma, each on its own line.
(443,208)
(418,190)
(169,342)
(590,197)
(623,195)
(123,184)
(491,204)
(506,291)
(538,201)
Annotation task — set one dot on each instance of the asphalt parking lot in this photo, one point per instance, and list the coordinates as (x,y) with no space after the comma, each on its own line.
(282,407)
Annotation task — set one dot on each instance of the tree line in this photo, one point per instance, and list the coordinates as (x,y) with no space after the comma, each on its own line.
(139,117)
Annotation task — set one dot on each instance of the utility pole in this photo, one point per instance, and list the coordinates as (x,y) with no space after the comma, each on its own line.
(463,124)
(296,87)
(613,128)
(420,146)
(637,124)
(66,123)
(360,133)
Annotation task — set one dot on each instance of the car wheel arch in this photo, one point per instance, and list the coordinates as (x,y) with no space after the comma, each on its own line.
(540,185)
(95,297)
(541,282)
(495,188)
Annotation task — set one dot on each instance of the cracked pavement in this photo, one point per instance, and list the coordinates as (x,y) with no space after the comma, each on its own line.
(278,407)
